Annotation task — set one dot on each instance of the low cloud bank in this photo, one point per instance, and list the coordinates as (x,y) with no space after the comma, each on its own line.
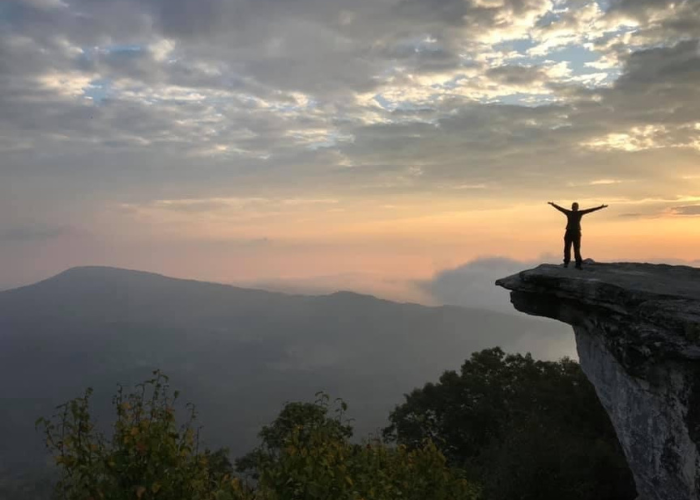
(472,284)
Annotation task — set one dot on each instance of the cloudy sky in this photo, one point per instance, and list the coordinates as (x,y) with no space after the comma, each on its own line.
(362,142)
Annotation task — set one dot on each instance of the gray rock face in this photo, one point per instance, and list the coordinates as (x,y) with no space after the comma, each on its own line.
(637,330)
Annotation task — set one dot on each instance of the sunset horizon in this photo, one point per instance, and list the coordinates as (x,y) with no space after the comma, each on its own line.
(362,145)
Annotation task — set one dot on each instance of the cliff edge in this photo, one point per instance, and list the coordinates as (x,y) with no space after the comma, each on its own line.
(637,330)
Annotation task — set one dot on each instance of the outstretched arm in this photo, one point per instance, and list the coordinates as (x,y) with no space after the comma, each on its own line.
(561,209)
(589,210)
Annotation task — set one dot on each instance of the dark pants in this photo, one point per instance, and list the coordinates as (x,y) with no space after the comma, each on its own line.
(572,238)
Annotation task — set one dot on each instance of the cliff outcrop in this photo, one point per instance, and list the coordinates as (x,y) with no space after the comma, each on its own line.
(637,329)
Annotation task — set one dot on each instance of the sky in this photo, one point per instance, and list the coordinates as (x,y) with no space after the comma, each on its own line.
(389,146)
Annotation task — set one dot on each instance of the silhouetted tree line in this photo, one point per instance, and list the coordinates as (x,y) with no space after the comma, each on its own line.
(522,429)
(504,427)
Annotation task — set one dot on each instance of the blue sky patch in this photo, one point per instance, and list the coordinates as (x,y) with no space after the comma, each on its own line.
(98,91)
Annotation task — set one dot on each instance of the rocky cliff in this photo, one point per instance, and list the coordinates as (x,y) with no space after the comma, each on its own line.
(637,330)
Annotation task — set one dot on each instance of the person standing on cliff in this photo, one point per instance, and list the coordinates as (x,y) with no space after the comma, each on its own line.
(573,231)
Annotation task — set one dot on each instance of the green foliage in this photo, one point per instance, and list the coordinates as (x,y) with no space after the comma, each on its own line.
(520,429)
(524,429)
(303,420)
(147,457)
(305,455)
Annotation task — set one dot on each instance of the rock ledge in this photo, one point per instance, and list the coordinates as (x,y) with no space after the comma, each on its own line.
(637,330)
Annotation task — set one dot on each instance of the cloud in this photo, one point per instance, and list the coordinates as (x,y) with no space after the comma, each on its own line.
(233,100)
(668,20)
(605,182)
(516,75)
(687,210)
(472,284)
(115,103)
(385,287)
(239,206)
(35,233)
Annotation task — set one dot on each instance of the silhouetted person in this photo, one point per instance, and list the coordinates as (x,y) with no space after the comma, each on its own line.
(573,231)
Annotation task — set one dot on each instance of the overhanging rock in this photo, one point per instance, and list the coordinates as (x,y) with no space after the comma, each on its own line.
(637,330)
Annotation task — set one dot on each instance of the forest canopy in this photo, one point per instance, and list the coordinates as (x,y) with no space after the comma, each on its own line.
(504,427)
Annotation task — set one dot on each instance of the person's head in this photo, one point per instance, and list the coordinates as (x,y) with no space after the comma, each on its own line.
(574,206)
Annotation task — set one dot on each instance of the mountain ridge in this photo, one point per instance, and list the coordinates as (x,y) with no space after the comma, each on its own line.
(93,272)
(101,272)
(238,353)
(90,274)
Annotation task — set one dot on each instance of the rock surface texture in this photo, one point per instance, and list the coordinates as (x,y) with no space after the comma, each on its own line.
(637,330)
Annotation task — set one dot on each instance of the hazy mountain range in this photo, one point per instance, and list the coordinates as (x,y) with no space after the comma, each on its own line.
(237,353)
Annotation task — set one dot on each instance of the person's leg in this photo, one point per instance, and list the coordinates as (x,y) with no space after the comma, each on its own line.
(567,249)
(577,251)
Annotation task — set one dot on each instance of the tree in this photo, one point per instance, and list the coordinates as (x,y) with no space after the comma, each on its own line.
(304,422)
(525,429)
(147,457)
(305,454)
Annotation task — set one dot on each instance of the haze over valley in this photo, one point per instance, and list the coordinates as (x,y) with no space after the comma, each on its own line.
(238,354)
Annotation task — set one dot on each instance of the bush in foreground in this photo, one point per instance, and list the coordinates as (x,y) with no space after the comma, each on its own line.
(305,454)
(148,456)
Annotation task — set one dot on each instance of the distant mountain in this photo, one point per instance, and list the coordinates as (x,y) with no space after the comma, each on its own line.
(237,353)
